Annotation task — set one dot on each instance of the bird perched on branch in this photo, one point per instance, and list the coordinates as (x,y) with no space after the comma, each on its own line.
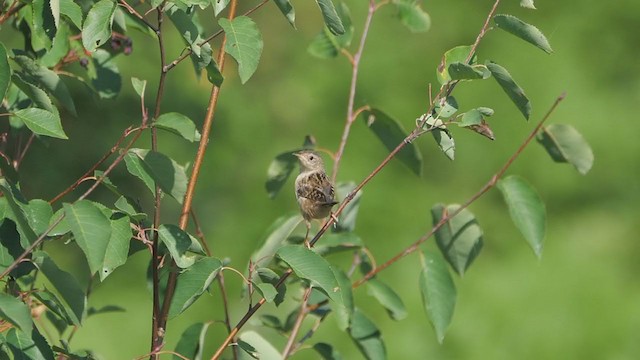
(314,190)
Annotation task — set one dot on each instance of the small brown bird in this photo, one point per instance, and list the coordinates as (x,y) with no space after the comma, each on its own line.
(314,190)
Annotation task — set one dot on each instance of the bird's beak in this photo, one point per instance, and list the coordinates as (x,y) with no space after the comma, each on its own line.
(297,154)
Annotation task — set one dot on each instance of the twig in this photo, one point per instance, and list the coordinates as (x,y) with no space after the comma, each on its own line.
(14,8)
(488,186)
(351,117)
(296,326)
(188,51)
(18,161)
(133,12)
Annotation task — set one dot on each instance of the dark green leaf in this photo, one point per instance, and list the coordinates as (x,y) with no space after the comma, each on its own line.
(15,210)
(438,292)
(124,204)
(43,27)
(56,307)
(178,243)
(330,16)
(244,43)
(10,248)
(565,144)
(327,352)
(59,49)
(275,236)
(37,95)
(471,117)
(91,230)
(524,31)
(287,10)
(388,298)
(344,309)
(178,124)
(326,45)
(257,346)
(213,74)
(15,312)
(139,86)
(272,322)
(458,54)
(187,25)
(105,310)
(66,285)
(515,92)
(463,71)
(347,219)
(73,11)
(191,342)
(167,173)
(335,242)
(367,337)
(192,282)
(268,276)
(118,246)
(267,291)
(485,111)
(460,238)
(28,346)
(391,133)
(312,267)
(136,167)
(96,29)
(48,80)
(413,16)
(279,171)
(5,71)
(42,122)
(104,74)
(526,209)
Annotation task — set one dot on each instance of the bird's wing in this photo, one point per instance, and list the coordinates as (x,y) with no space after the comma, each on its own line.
(317,188)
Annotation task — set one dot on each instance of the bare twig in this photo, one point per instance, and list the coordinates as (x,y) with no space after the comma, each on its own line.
(298,323)
(14,8)
(133,12)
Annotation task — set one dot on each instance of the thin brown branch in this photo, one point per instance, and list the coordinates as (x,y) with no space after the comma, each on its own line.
(225,306)
(488,186)
(188,51)
(355,65)
(298,323)
(133,12)
(23,153)
(14,8)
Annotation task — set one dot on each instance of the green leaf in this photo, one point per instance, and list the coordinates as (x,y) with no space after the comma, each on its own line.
(192,282)
(5,71)
(38,213)
(118,246)
(515,92)
(388,298)
(345,308)
(55,306)
(259,347)
(72,11)
(104,310)
(139,86)
(458,54)
(565,144)
(28,346)
(37,95)
(326,45)
(219,5)
(287,10)
(275,236)
(326,351)
(54,5)
(43,27)
(367,337)
(526,209)
(213,73)
(460,238)
(48,80)
(136,167)
(524,31)
(463,71)
(104,74)
(15,312)
(438,292)
(269,276)
(445,141)
(178,124)
(391,133)
(244,43)
(91,230)
(527,4)
(96,29)
(330,16)
(446,108)
(347,218)
(332,243)
(279,170)
(59,49)
(471,117)
(65,283)
(413,16)
(42,122)
(16,212)
(178,243)
(167,173)
(191,342)
(124,204)
(267,291)
(186,23)
(312,267)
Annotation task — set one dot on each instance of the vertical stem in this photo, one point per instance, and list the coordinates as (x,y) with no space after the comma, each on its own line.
(296,326)
(355,64)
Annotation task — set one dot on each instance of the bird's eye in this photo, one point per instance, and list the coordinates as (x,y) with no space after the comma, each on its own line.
(311,157)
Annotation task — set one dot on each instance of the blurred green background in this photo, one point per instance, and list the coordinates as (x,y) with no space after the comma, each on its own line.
(581,300)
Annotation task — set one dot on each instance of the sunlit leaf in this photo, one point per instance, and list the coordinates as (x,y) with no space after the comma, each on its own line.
(96,29)
(268,276)
(91,229)
(460,238)
(118,246)
(259,347)
(464,71)
(391,133)
(43,26)
(15,312)
(515,92)
(65,284)
(367,337)
(526,209)
(178,243)
(388,298)
(524,31)
(345,307)
(38,213)
(192,341)
(178,124)
(413,16)
(59,48)
(37,95)
(192,282)
(565,144)
(168,174)
(458,54)
(287,10)
(42,122)
(331,17)
(28,346)
(136,167)
(139,86)
(72,11)
(244,44)
(5,71)
(527,4)
(438,292)
(267,291)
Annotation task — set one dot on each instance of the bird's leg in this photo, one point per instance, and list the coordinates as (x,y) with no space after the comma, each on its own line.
(335,219)
(306,237)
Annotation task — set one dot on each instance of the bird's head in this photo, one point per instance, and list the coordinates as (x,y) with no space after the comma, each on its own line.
(309,160)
